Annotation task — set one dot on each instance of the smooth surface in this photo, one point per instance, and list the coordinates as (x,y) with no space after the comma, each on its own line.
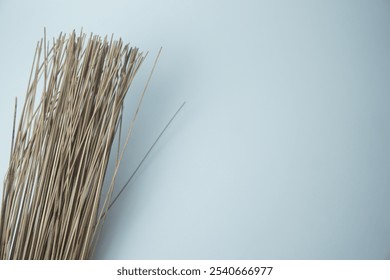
(283,148)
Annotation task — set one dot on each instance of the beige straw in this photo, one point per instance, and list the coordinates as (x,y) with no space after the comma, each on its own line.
(60,151)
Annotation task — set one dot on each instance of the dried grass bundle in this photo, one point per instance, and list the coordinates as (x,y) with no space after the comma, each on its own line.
(60,151)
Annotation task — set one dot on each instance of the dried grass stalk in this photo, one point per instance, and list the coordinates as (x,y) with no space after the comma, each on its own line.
(53,187)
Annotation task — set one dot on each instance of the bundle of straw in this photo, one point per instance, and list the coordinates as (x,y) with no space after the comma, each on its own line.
(52,204)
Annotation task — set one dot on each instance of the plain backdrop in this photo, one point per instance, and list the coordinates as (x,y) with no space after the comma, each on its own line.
(282,150)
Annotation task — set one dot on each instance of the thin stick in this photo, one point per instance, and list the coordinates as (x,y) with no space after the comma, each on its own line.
(145,156)
(111,187)
(13,128)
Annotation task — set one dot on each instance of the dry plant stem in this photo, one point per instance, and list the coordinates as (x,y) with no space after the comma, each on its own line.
(53,187)
(145,156)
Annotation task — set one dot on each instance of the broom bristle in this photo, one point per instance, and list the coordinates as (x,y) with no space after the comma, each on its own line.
(53,187)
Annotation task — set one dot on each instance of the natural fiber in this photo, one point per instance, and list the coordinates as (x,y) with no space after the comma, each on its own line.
(52,205)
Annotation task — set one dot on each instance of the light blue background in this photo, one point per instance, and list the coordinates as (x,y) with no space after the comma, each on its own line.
(283,148)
